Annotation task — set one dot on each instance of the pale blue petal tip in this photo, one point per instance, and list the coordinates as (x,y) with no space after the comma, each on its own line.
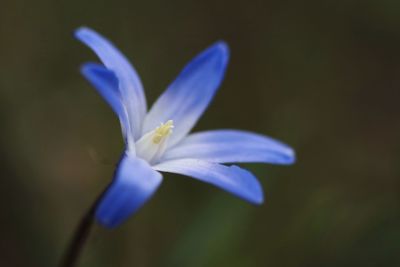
(292,157)
(82,31)
(288,156)
(254,192)
(222,48)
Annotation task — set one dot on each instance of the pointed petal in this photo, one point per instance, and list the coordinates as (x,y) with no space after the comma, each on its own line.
(189,95)
(106,84)
(232,179)
(223,146)
(130,85)
(133,185)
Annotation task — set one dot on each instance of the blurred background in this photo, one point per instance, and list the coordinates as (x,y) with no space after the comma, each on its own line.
(322,76)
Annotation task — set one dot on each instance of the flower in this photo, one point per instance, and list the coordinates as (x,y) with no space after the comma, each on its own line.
(158,140)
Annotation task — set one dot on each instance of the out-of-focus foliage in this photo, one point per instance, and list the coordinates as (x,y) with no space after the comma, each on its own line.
(324,76)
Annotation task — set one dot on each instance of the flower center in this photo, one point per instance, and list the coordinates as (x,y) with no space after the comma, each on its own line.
(152,145)
(163,131)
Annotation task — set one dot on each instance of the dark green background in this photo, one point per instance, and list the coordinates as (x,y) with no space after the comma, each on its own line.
(322,76)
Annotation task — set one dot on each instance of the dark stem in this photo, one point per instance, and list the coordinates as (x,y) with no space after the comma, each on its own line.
(80,237)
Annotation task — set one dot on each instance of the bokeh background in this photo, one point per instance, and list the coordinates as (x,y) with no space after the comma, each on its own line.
(323,76)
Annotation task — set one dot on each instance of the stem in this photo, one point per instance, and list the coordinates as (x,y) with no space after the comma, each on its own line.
(80,237)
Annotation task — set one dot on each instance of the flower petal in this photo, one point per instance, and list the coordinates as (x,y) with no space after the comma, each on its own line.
(130,85)
(225,146)
(133,185)
(189,95)
(232,179)
(106,84)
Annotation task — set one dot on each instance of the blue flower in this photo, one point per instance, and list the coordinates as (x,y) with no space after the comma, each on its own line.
(158,140)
